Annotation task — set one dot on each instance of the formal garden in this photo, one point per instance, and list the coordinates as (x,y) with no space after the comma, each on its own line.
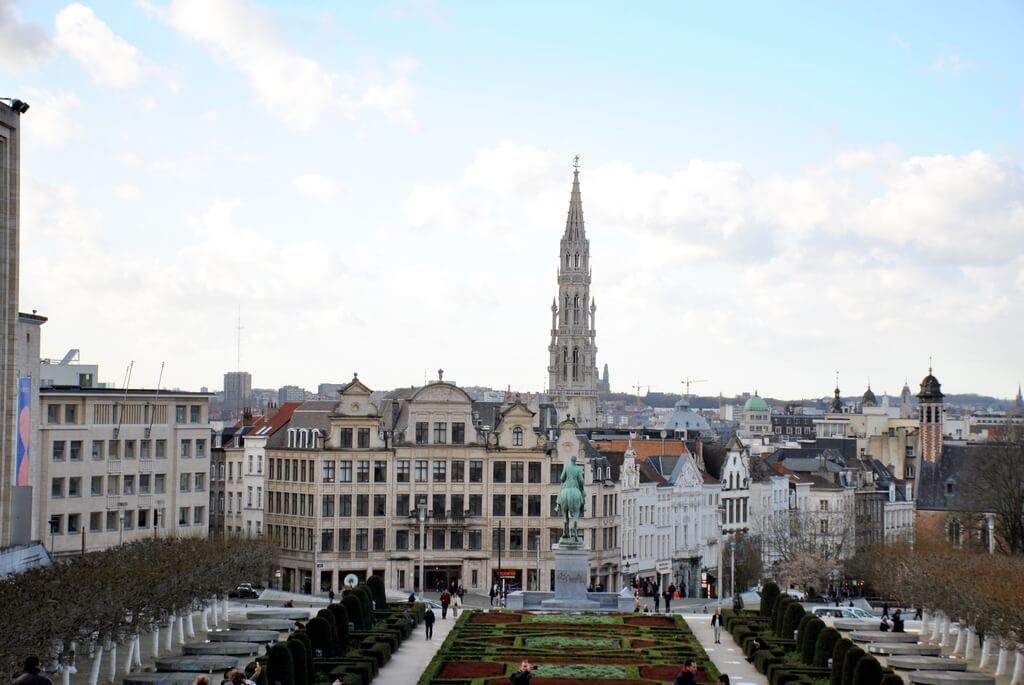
(567,649)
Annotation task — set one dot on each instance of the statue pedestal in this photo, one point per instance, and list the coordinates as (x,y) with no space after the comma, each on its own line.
(572,574)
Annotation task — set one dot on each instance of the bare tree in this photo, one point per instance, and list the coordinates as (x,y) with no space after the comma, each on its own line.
(994,482)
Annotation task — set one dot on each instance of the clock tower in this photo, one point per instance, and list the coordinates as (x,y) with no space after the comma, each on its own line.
(572,366)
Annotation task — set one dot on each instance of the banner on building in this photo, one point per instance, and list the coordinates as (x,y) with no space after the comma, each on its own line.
(24,456)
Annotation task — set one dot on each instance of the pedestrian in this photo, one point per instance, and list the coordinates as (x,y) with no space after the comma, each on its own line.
(884,625)
(918,613)
(446,599)
(412,597)
(330,595)
(523,675)
(688,674)
(428,621)
(31,674)
(493,593)
(716,623)
(456,604)
(851,602)
(885,610)
(657,599)
(723,679)
(201,680)
(667,595)
(636,602)
(897,622)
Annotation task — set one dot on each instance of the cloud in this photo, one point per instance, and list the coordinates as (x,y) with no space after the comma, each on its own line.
(109,59)
(298,89)
(52,121)
(21,43)
(950,64)
(315,186)
(429,10)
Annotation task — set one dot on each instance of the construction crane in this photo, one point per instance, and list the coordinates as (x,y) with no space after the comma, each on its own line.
(638,387)
(687,381)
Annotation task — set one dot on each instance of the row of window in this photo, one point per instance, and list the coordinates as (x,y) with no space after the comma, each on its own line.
(406,470)
(123,519)
(440,433)
(132,484)
(68,414)
(63,450)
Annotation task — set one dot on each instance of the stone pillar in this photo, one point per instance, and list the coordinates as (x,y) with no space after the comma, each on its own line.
(1002,665)
(946,634)
(138,651)
(97,663)
(969,644)
(128,658)
(961,635)
(1018,667)
(181,629)
(190,626)
(986,653)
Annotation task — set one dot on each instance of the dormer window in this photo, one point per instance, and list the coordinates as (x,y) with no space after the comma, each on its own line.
(517,437)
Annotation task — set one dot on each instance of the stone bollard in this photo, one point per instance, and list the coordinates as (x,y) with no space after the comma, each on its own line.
(961,635)
(1002,663)
(1018,667)
(969,645)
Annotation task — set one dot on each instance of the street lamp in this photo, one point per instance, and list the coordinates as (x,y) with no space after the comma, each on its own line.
(721,543)
(732,575)
(625,573)
(501,579)
(422,514)
(53,531)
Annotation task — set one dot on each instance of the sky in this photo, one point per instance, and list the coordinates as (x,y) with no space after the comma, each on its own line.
(773,194)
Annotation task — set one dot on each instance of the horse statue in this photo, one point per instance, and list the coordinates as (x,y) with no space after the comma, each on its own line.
(570,502)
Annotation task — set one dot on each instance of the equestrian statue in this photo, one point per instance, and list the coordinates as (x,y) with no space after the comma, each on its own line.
(570,502)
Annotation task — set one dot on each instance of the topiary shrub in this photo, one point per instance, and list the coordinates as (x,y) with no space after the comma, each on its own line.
(769,595)
(801,633)
(377,592)
(366,603)
(341,623)
(812,629)
(302,636)
(332,630)
(298,652)
(825,645)
(867,672)
(838,656)
(794,612)
(355,610)
(779,612)
(279,665)
(320,636)
(891,679)
(850,663)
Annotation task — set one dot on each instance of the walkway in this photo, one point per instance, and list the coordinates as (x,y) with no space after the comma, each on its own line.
(728,656)
(411,659)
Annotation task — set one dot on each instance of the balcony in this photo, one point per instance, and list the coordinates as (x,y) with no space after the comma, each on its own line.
(113,466)
(444,518)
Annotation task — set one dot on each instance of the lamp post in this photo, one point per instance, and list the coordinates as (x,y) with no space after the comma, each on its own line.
(422,514)
(625,573)
(53,531)
(721,543)
(732,574)
(501,579)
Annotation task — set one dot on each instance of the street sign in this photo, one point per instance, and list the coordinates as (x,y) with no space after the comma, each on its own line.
(663,566)
(507,574)
(319,564)
(704,578)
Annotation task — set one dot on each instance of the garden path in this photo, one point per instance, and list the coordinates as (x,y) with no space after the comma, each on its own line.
(411,659)
(728,656)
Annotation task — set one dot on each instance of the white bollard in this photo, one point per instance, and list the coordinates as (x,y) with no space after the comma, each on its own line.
(986,653)
(156,640)
(65,674)
(113,664)
(969,645)
(181,629)
(169,637)
(213,612)
(97,662)
(129,658)
(961,635)
(138,651)
(190,627)
(1001,662)
(204,623)
(224,605)
(947,634)
(1018,668)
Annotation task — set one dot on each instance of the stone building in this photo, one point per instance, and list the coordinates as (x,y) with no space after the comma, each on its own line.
(348,481)
(118,465)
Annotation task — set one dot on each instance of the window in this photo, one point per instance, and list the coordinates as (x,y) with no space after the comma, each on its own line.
(824,526)
(97,450)
(199,482)
(363,438)
(403,471)
(96,486)
(200,448)
(56,487)
(533,539)
(458,434)
(96,521)
(344,505)
(402,505)
(380,471)
(143,518)
(183,516)
(58,449)
(75,450)
(128,486)
(363,471)
(144,479)
(498,538)
(533,472)
(184,482)
(378,539)
(440,471)
(344,540)
(179,413)
(458,471)
(421,432)
(113,485)
(475,540)
(70,413)
(327,540)
(456,540)
(401,540)
(437,506)
(161,449)
(498,472)
(556,473)
(159,484)
(186,449)
(517,437)
(533,505)
(380,505)
(361,539)
(73,522)
(421,470)
(346,438)
(437,538)
(476,471)
(344,471)
(497,505)
(53,413)
(114,449)
(145,451)
(476,505)
(129,449)
(440,433)
(949,487)
(516,505)
(823,505)
(197,515)
(362,505)
(517,472)
(327,470)
(194,413)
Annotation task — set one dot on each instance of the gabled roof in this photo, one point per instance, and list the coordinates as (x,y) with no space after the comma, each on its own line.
(268,426)
(643,448)
(948,472)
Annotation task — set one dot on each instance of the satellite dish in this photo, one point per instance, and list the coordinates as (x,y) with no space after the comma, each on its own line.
(351,580)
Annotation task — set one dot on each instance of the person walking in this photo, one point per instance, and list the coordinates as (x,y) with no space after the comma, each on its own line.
(667,595)
(688,674)
(446,599)
(428,621)
(716,623)
(636,602)
(456,604)
(885,610)
(493,593)
(918,613)
(330,595)
(657,597)
(31,674)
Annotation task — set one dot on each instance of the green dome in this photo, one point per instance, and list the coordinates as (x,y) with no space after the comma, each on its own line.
(755,403)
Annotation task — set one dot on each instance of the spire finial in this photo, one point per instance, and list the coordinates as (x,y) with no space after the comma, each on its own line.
(576,163)
(929,365)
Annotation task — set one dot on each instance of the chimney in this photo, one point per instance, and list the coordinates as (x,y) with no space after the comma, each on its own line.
(247,416)
(270,411)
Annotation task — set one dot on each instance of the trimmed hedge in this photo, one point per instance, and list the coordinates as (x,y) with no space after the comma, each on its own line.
(779,613)
(355,610)
(303,637)
(769,594)
(377,592)
(891,679)
(867,672)
(299,665)
(332,629)
(838,656)
(279,665)
(794,612)
(341,620)
(813,629)
(801,633)
(825,645)
(320,636)
(850,664)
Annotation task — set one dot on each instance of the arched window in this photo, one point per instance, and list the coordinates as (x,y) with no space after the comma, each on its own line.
(576,309)
(565,310)
(567,259)
(954,532)
(576,261)
(517,437)
(565,363)
(575,363)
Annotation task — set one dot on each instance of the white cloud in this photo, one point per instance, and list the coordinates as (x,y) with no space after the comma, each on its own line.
(21,43)
(109,59)
(127,191)
(950,64)
(295,88)
(52,120)
(315,186)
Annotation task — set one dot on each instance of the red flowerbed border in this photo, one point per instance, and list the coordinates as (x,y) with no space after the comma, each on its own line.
(649,621)
(472,669)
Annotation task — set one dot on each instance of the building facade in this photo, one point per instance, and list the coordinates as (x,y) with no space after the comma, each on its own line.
(572,365)
(237,393)
(119,465)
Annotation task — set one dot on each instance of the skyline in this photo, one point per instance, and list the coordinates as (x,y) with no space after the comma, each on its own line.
(757,217)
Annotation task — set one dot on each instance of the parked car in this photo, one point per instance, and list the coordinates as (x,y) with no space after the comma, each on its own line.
(245,591)
(841,612)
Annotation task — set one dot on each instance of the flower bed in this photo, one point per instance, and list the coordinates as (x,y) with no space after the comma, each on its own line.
(610,649)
